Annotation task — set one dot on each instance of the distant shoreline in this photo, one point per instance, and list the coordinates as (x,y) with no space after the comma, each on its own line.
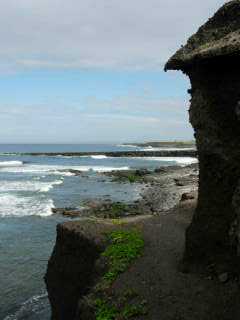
(163,153)
(159,144)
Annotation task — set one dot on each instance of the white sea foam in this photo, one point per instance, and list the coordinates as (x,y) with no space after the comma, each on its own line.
(91,168)
(34,185)
(13,205)
(35,305)
(127,146)
(10,164)
(58,170)
(166,149)
(100,156)
(8,154)
(64,157)
(179,160)
(50,185)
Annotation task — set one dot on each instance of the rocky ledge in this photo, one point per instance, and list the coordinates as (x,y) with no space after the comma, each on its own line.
(150,286)
(76,265)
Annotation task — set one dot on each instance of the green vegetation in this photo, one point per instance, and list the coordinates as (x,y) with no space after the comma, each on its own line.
(133,178)
(107,311)
(125,246)
(117,209)
(134,310)
(111,210)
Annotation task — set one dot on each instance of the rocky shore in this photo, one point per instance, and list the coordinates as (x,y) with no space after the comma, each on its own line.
(76,266)
(154,283)
(161,190)
(148,153)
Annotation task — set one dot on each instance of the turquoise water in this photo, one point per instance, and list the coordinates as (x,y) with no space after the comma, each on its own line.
(30,186)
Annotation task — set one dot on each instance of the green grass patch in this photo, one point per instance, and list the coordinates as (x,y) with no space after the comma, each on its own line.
(132,178)
(108,311)
(134,310)
(125,247)
(117,209)
(105,311)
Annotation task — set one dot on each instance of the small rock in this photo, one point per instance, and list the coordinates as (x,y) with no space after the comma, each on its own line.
(223,277)
(187,196)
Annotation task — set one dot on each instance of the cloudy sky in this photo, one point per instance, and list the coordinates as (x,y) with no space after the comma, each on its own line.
(92,71)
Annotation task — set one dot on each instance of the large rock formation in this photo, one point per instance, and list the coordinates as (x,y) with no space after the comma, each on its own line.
(211,60)
(72,268)
(76,265)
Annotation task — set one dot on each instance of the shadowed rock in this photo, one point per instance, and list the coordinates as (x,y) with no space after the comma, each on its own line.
(211,60)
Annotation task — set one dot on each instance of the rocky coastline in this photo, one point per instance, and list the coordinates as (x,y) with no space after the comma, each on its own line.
(114,154)
(76,265)
(154,283)
(160,190)
(184,254)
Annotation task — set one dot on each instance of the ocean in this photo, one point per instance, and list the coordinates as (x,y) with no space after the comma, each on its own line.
(30,186)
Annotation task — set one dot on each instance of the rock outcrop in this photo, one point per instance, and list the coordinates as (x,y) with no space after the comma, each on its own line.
(211,60)
(77,265)
(72,268)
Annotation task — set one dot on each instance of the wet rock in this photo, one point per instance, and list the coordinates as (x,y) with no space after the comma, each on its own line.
(69,212)
(188,196)
(142,172)
(76,172)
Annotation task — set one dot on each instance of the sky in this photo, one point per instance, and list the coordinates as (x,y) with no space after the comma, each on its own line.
(92,71)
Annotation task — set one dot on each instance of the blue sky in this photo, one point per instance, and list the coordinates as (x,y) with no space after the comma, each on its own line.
(95,74)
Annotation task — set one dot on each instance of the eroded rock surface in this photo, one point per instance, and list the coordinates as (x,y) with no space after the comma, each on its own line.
(211,60)
(72,268)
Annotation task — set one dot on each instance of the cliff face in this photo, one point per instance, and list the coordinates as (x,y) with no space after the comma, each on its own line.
(72,268)
(211,60)
(218,37)
(213,114)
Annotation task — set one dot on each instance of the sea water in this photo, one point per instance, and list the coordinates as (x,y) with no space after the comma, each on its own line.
(30,186)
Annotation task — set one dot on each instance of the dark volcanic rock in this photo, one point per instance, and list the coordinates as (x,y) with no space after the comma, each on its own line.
(76,266)
(163,153)
(188,196)
(211,60)
(69,212)
(75,172)
(73,268)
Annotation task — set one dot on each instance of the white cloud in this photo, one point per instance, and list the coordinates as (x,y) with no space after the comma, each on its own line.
(125,118)
(96,34)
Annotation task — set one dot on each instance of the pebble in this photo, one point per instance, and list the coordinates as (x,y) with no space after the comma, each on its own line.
(223,277)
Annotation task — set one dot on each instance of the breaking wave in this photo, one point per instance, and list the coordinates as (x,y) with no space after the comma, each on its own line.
(182,161)
(10,164)
(166,149)
(12,186)
(36,305)
(99,157)
(14,205)
(58,170)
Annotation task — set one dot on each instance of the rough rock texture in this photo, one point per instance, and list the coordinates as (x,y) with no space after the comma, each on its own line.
(211,60)
(154,277)
(76,264)
(220,36)
(72,268)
